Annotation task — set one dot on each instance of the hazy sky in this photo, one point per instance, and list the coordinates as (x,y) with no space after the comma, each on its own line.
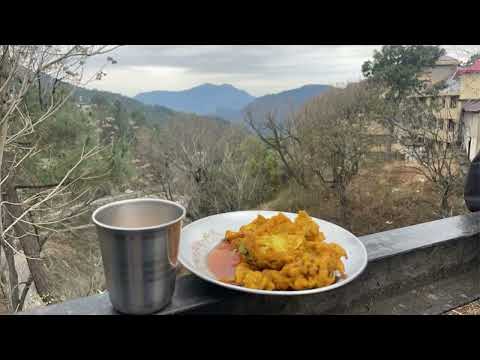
(258,69)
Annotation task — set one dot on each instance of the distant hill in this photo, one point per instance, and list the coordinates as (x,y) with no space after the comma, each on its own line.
(153,114)
(285,102)
(223,101)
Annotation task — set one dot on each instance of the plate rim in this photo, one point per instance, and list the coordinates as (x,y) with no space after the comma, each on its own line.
(275,292)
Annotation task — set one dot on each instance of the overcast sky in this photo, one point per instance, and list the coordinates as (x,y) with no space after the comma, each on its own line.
(257,69)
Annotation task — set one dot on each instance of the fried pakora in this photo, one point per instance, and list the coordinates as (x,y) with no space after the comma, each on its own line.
(280,254)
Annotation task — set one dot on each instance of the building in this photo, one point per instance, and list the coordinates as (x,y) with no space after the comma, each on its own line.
(469,79)
(448,111)
(471,118)
(444,68)
(458,111)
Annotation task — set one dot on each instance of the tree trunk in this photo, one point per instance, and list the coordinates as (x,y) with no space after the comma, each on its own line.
(30,246)
(444,205)
(12,276)
(343,205)
(4,105)
(11,266)
(4,222)
(388,145)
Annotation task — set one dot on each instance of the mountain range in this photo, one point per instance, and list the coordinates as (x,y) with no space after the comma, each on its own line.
(227,102)
(284,103)
(217,102)
(207,99)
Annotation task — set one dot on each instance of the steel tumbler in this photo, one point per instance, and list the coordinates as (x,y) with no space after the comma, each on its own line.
(139,241)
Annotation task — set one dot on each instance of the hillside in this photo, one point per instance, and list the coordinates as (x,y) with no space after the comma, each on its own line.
(285,102)
(153,114)
(224,101)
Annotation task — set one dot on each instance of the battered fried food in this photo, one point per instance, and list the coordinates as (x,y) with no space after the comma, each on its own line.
(280,254)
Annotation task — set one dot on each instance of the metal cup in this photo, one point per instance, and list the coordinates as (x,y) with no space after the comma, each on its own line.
(139,242)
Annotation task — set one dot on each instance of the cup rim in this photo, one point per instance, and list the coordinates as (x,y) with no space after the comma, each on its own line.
(154,227)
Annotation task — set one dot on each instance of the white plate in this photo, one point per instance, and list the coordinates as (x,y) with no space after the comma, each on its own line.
(201,236)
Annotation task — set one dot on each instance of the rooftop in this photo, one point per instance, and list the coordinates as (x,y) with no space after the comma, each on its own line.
(475,68)
(447,60)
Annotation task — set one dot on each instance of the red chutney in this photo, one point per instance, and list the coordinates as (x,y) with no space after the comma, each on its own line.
(222,260)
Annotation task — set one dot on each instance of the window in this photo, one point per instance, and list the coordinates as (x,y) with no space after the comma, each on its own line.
(444,102)
(451,125)
(453,102)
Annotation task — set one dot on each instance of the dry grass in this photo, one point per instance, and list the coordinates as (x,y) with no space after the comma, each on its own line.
(382,197)
(74,264)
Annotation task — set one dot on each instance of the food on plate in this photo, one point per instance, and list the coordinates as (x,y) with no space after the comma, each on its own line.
(278,254)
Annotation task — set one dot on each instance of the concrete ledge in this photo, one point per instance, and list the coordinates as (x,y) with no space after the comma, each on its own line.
(432,298)
(190,293)
(411,238)
(402,262)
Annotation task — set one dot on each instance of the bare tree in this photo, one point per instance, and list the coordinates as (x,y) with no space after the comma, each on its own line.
(219,167)
(424,126)
(325,142)
(149,149)
(53,71)
(283,139)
